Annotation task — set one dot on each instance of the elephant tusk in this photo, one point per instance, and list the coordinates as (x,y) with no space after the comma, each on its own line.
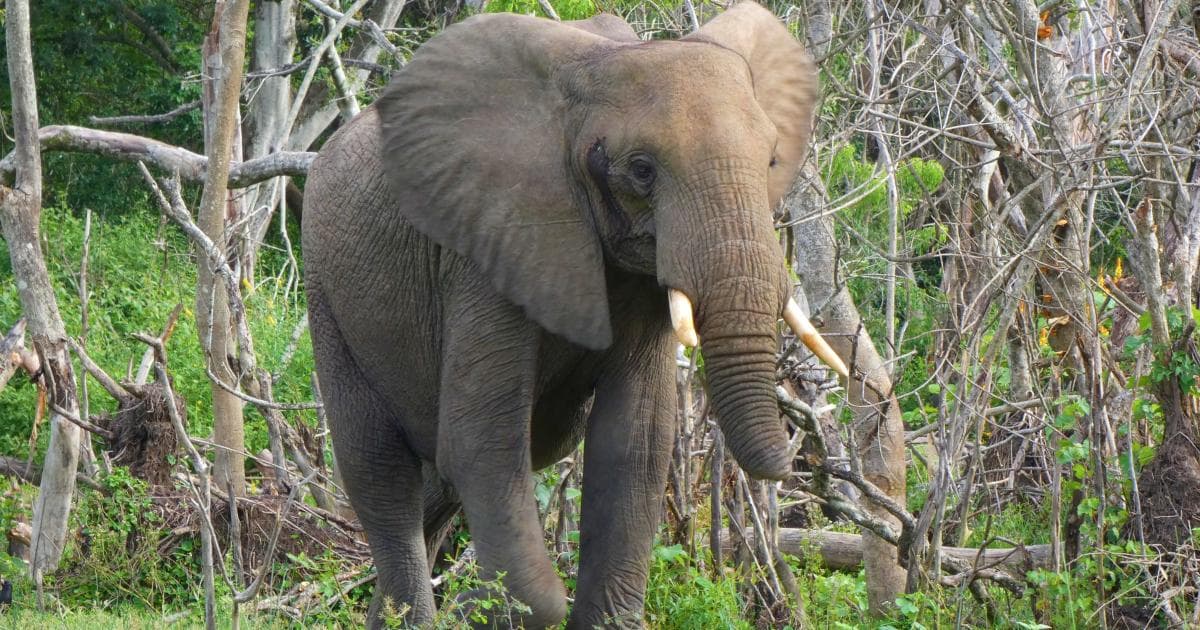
(681,318)
(811,338)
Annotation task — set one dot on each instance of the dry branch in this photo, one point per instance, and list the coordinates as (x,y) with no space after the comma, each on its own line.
(146,118)
(369,26)
(20,468)
(191,166)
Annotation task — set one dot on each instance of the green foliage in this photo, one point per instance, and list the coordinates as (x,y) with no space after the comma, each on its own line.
(138,271)
(831,599)
(114,554)
(1180,365)
(916,178)
(90,60)
(1068,599)
(863,186)
(566,9)
(681,595)
(471,599)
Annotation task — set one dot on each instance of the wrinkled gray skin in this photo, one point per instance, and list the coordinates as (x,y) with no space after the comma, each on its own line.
(488,250)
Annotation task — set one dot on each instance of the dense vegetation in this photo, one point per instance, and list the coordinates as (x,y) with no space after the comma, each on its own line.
(1039,370)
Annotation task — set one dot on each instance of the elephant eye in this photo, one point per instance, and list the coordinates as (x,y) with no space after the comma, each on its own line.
(642,171)
(774,161)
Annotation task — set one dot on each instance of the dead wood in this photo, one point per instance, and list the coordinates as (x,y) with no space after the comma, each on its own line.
(1170,492)
(19,537)
(143,438)
(844,552)
(145,119)
(190,166)
(302,532)
(21,469)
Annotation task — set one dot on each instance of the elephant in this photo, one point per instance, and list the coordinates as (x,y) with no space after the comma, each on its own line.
(500,255)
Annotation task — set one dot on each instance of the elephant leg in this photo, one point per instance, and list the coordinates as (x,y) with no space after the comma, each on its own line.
(626,453)
(440,506)
(382,476)
(488,379)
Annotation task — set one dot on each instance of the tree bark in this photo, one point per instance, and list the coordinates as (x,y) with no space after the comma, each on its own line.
(878,428)
(20,214)
(224,54)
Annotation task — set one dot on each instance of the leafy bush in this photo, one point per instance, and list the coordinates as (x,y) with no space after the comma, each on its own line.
(680,594)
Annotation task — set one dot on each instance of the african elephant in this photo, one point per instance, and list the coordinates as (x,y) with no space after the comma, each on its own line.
(496,253)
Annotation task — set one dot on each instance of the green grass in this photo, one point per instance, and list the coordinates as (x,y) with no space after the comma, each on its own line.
(27,616)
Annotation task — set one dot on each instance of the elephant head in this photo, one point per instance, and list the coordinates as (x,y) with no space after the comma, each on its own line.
(545,152)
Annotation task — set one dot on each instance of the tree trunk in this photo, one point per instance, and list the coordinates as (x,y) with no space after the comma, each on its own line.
(878,428)
(21,211)
(266,116)
(224,53)
(269,125)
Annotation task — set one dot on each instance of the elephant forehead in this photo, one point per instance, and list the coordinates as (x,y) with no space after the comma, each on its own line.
(662,69)
(669,84)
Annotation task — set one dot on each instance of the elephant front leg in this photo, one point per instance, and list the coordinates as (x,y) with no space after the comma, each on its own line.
(627,451)
(488,378)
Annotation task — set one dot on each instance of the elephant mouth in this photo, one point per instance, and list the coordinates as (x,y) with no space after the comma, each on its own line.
(685,329)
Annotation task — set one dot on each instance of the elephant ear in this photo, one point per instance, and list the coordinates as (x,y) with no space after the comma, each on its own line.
(473,147)
(785,81)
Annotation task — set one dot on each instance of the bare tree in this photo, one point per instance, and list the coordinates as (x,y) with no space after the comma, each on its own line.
(280,118)
(21,211)
(224,54)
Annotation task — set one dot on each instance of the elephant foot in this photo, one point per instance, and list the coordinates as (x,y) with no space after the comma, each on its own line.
(499,607)
(587,617)
(387,612)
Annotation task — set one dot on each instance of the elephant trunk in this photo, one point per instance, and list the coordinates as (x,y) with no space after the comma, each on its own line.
(737,327)
(722,255)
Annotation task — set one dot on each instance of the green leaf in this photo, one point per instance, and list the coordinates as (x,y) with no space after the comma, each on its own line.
(1144,454)
(906,606)
(543,491)
(1144,321)
(669,554)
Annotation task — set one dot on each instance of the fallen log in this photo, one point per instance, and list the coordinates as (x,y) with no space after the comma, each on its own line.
(18,468)
(843,551)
